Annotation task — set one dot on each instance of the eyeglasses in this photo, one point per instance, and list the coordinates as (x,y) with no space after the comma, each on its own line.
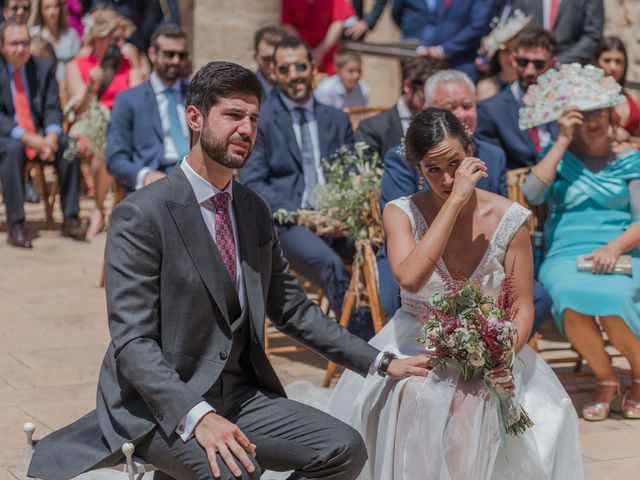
(14,45)
(16,8)
(537,64)
(299,67)
(169,54)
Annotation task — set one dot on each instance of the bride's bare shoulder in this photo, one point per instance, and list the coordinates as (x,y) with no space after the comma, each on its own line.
(497,204)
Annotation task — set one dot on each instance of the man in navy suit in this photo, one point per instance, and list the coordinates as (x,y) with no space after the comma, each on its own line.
(452,90)
(533,55)
(136,154)
(453,30)
(31,130)
(295,134)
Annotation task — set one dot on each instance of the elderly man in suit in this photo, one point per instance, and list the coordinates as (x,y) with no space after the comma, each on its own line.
(30,129)
(576,24)
(296,134)
(136,154)
(453,32)
(193,263)
(498,116)
(385,130)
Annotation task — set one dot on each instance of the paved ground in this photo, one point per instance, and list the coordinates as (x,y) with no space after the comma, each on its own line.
(53,334)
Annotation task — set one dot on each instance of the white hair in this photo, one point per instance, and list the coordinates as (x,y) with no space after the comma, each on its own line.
(445,76)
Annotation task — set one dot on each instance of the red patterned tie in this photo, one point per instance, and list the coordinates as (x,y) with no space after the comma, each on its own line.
(553,14)
(224,232)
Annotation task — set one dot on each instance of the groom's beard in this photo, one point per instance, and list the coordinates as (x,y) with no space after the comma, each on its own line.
(218,151)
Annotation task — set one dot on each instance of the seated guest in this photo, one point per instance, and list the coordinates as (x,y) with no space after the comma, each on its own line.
(264,42)
(592,186)
(534,54)
(30,129)
(576,24)
(345,89)
(295,134)
(611,56)
(18,10)
(385,130)
(92,81)
(49,19)
(320,23)
(453,32)
(148,133)
(496,50)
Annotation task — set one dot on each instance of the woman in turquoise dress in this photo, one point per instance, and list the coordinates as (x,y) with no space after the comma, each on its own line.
(592,188)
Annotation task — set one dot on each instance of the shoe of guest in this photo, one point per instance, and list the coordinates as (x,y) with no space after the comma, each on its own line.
(18,236)
(30,194)
(74,228)
(598,411)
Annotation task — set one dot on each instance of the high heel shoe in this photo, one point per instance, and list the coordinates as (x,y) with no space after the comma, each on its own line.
(597,411)
(630,408)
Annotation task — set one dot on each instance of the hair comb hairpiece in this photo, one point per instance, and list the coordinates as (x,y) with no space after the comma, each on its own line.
(586,88)
(503,32)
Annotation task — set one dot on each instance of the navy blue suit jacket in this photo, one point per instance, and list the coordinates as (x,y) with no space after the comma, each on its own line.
(274,169)
(401,179)
(498,124)
(135,139)
(458,29)
(411,16)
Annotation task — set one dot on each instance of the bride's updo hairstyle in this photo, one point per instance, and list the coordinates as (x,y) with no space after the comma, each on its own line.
(429,128)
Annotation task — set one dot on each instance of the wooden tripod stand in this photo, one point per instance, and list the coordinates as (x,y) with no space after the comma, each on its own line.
(364,267)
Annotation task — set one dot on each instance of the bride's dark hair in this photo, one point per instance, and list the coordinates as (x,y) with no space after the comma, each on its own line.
(429,128)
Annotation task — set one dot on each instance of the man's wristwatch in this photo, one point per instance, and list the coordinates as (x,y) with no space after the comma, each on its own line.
(385,362)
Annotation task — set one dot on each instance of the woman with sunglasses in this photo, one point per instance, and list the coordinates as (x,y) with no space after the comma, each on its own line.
(592,187)
(92,81)
(611,56)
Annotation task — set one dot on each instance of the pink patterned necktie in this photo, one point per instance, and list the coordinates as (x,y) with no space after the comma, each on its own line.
(224,232)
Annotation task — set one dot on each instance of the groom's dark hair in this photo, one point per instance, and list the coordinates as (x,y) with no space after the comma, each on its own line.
(429,128)
(218,80)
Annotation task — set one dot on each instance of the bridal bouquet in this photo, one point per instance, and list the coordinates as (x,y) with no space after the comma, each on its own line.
(473,331)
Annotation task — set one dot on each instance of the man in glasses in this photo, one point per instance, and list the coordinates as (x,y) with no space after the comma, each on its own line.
(136,154)
(534,54)
(295,134)
(264,43)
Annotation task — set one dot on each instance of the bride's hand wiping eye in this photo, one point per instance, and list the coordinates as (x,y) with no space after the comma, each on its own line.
(467,175)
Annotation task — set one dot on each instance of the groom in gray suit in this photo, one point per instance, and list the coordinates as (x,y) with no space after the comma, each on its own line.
(193,263)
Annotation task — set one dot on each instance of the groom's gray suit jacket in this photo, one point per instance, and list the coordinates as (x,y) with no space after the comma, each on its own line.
(170,304)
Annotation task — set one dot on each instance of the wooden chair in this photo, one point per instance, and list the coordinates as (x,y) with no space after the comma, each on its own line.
(357,114)
(134,467)
(36,171)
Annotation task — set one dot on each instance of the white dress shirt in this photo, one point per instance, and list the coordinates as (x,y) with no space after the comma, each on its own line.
(331,91)
(404,113)
(170,152)
(203,191)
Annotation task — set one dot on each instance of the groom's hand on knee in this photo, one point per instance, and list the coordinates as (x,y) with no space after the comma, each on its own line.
(218,435)
(406,367)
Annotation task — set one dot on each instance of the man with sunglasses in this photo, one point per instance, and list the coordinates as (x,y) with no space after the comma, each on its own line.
(136,154)
(296,133)
(534,54)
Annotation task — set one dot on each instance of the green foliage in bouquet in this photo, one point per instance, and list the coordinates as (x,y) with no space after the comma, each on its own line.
(89,128)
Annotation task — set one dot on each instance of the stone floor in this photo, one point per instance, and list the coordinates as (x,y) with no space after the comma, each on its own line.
(53,333)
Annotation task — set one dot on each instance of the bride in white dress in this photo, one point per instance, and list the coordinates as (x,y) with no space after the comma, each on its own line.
(440,427)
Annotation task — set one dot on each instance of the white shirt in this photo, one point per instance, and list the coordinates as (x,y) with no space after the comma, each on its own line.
(170,152)
(404,113)
(331,91)
(203,191)
(313,130)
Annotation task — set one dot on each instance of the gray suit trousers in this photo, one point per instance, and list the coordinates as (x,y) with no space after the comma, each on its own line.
(288,436)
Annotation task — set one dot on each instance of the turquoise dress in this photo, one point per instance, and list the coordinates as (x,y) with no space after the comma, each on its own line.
(586,211)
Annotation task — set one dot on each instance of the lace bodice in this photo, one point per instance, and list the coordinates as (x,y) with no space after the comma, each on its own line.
(489,273)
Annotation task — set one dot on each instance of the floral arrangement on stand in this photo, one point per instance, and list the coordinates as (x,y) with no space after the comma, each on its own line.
(350,198)
(466,328)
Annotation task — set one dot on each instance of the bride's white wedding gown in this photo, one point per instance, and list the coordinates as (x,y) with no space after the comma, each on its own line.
(441,428)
